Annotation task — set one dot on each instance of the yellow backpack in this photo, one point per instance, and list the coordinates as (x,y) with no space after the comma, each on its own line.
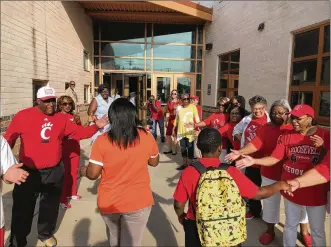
(220,209)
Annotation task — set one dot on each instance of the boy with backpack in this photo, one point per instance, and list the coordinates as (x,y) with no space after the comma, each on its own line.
(216,211)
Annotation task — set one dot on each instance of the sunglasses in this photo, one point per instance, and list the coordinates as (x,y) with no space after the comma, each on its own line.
(66,104)
(221,105)
(72,85)
(186,99)
(174,94)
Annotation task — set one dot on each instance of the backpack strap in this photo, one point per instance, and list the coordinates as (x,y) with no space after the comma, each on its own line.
(199,167)
(224,166)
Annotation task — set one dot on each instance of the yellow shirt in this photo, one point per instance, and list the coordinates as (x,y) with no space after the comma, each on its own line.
(186,115)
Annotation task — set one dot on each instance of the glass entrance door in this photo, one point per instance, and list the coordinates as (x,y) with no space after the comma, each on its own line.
(165,83)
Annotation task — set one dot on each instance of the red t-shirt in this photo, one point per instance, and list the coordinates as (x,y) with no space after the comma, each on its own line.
(171,109)
(70,147)
(187,184)
(216,120)
(251,131)
(156,114)
(324,167)
(266,141)
(42,135)
(301,156)
(226,132)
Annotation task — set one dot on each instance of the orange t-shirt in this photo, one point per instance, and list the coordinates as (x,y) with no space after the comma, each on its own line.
(125,182)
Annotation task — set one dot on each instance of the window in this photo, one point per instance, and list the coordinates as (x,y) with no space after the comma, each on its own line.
(36,84)
(86,93)
(310,71)
(228,81)
(86,61)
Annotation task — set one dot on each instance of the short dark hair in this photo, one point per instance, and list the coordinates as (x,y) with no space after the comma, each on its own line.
(102,87)
(124,122)
(209,140)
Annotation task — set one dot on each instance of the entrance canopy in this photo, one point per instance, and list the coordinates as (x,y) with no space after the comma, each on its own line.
(171,12)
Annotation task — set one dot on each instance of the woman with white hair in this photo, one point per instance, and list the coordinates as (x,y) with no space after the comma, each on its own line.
(265,141)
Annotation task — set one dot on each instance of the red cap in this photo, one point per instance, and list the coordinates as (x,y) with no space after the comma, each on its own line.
(301,110)
(195,98)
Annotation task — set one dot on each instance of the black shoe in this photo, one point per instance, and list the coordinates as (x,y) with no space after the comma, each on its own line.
(174,153)
(169,152)
(182,167)
(162,139)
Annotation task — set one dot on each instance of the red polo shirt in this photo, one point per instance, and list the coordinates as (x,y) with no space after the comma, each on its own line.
(156,114)
(42,135)
(187,185)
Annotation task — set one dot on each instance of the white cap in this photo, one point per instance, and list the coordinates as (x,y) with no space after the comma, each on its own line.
(45,93)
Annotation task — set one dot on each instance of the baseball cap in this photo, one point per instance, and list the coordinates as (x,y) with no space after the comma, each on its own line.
(301,110)
(195,98)
(46,92)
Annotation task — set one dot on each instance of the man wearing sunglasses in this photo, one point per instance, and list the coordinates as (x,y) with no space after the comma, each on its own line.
(71,92)
(41,132)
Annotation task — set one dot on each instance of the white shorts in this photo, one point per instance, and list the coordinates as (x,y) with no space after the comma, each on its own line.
(271,206)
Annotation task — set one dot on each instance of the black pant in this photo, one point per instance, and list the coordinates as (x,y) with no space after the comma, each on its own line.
(48,184)
(187,148)
(191,234)
(254,175)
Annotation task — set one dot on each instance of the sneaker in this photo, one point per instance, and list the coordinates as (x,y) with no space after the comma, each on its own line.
(168,152)
(75,197)
(306,240)
(266,238)
(249,216)
(51,242)
(66,205)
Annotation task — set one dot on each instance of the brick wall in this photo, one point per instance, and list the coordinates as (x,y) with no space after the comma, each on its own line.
(42,40)
(264,56)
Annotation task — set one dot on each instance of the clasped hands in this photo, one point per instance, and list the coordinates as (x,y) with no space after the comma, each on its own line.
(247,161)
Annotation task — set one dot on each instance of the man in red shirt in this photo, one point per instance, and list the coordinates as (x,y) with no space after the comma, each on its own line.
(209,142)
(157,117)
(41,132)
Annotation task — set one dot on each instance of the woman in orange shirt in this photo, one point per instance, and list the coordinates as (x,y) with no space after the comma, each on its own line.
(121,157)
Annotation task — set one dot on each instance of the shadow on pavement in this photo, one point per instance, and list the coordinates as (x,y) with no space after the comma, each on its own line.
(159,224)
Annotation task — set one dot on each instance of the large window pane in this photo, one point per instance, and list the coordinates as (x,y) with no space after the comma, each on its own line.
(174,66)
(96,79)
(122,63)
(324,109)
(199,66)
(301,98)
(223,83)
(198,82)
(221,94)
(121,31)
(95,31)
(149,50)
(306,44)
(172,33)
(199,52)
(96,62)
(304,73)
(326,39)
(183,85)
(224,62)
(325,75)
(120,49)
(235,59)
(200,34)
(167,51)
(96,48)
(163,88)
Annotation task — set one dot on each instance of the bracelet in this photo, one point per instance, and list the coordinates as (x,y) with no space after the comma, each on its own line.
(297,182)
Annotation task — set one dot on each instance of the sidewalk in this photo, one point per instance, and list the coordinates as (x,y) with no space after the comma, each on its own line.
(82,225)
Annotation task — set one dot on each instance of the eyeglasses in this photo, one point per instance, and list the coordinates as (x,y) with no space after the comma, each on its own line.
(67,103)
(258,109)
(279,114)
(47,101)
(174,94)
(234,113)
(72,85)
(186,99)
(219,105)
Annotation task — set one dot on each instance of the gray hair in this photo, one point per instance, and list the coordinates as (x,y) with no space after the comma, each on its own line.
(282,102)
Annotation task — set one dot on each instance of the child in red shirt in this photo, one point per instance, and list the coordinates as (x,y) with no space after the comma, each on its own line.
(209,142)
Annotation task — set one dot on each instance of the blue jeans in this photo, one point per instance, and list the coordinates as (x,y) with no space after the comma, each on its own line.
(161,126)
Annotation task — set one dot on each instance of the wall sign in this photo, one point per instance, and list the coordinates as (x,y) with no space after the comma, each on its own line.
(209,89)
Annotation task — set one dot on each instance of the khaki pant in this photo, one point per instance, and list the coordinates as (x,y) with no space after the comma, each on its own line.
(126,229)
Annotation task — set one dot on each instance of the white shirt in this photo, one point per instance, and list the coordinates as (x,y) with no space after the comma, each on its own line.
(7,160)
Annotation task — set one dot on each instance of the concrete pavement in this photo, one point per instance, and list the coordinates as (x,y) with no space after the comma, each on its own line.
(82,225)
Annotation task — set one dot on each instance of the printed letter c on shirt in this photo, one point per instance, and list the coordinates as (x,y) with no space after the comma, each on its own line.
(45,127)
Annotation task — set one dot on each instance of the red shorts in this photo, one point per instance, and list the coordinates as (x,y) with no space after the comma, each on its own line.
(2,237)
